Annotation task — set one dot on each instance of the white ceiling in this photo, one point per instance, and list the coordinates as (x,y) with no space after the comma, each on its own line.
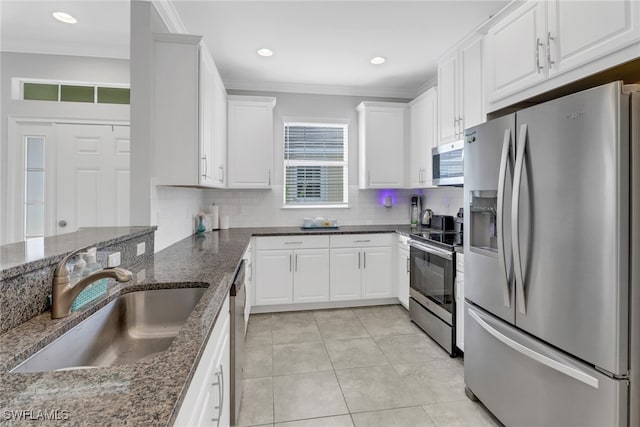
(325,46)
(102,28)
(320,46)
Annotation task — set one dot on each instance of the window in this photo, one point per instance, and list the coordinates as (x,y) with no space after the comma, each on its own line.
(62,92)
(34,187)
(315,165)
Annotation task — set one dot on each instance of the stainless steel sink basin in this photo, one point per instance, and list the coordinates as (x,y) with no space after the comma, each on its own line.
(129,329)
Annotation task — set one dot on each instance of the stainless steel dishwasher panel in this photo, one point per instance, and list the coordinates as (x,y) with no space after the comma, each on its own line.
(237,301)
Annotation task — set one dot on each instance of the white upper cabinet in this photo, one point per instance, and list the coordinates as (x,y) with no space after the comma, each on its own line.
(250,149)
(188,128)
(580,31)
(542,45)
(423,137)
(460,90)
(382,129)
(516,52)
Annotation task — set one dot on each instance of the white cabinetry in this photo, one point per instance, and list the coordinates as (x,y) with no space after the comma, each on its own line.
(423,137)
(460,90)
(459,296)
(250,148)
(361,266)
(382,129)
(188,118)
(403,271)
(206,402)
(286,276)
(531,46)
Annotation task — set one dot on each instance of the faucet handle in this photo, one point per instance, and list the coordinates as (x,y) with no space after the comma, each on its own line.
(122,275)
(61,269)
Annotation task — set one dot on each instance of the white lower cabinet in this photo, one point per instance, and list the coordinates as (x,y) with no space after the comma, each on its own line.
(345,274)
(403,276)
(459,296)
(377,280)
(207,400)
(361,273)
(292,276)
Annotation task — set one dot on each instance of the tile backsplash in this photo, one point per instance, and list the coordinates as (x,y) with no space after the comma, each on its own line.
(263,208)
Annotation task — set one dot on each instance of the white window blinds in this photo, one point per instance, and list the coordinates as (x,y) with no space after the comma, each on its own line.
(315,163)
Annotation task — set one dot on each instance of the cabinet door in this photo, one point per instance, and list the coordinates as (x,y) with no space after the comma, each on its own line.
(384,151)
(471,84)
(422,138)
(448,99)
(459,310)
(403,277)
(207,97)
(221,383)
(580,32)
(377,276)
(516,51)
(219,134)
(274,277)
(310,275)
(250,144)
(346,265)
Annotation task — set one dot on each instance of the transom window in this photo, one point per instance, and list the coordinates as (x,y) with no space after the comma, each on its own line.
(315,165)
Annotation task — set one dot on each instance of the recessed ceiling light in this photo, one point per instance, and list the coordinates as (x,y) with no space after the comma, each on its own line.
(265,52)
(377,60)
(64,17)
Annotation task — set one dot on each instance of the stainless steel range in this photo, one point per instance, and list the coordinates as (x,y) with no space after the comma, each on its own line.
(432,281)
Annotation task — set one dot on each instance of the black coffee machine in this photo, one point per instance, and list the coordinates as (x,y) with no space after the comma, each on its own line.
(459,223)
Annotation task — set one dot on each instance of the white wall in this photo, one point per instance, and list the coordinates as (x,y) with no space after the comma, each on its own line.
(250,208)
(171,209)
(54,67)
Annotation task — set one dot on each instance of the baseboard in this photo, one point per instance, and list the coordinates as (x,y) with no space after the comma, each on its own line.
(322,305)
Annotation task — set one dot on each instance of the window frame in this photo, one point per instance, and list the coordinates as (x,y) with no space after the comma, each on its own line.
(287,122)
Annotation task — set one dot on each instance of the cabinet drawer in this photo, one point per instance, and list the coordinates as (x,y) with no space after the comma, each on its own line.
(361,240)
(292,242)
(459,262)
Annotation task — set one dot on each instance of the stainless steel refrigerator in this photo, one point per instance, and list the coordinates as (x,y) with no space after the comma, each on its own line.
(551,247)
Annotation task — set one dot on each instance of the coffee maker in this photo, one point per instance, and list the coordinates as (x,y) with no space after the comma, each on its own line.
(415,207)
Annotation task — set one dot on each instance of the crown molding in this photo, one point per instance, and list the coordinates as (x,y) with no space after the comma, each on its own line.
(43,47)
(432,82)
(319,89)
(169,16)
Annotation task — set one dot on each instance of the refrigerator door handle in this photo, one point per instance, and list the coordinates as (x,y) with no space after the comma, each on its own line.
(506,160)
(515,214)
(534,355)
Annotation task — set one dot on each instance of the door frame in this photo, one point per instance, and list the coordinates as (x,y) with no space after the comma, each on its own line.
(14,223)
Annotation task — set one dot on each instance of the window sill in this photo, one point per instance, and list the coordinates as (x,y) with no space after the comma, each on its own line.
(316,207)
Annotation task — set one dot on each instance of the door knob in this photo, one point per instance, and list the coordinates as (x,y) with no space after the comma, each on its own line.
(62,223)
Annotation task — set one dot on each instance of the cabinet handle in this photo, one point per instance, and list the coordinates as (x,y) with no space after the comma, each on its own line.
(269,176)
(538,44)
(368,178)
(221,173)
(205,166)
(296,263)
(408,265)
(290,262)
(362,241)
(220,384)
(358,260)
(364,261)
(460,126)
(292,243)
(549,38)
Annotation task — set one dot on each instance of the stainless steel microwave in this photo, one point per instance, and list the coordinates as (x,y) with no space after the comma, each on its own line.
(448,164)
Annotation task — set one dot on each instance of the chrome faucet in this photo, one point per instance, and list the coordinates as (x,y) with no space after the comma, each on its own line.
(63,293)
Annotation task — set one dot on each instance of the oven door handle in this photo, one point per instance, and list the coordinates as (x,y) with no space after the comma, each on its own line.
(431,250)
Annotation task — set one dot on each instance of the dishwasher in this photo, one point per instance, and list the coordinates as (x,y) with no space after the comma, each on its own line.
(237,302)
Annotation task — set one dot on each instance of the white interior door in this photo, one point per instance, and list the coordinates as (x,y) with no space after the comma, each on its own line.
(92,176)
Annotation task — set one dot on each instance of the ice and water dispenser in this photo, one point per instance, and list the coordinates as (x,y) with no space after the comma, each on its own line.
(483,230)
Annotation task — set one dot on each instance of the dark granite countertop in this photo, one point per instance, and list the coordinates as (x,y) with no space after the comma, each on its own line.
(149,392)
(21,257)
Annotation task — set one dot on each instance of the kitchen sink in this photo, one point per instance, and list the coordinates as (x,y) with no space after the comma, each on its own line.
(131,328)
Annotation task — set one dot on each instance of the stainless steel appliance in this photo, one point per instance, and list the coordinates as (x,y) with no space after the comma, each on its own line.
(432,282)
(237,302)
(551,337)
(425,217)
(442,223)
(447,164)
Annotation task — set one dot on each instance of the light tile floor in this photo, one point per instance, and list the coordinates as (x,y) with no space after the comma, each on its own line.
(365,366)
